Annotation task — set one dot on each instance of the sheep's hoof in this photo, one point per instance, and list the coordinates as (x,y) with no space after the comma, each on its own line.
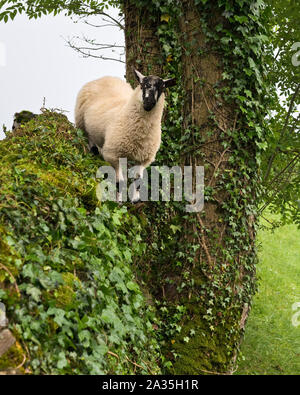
(119,186)
(119,199)
(94,150)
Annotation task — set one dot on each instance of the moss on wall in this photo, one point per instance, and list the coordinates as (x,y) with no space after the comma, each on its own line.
(66,280)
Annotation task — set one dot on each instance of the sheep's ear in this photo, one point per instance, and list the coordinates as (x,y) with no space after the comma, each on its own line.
(170,82)
(139,76)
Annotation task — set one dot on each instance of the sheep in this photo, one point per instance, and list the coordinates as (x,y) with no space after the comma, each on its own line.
(20,118)
(122,122)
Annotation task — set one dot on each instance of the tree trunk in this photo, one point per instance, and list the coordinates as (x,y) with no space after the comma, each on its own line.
(222,258)
(202,262)
(142,46)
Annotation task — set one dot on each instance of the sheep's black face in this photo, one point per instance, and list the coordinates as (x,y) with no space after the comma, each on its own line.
(152,88)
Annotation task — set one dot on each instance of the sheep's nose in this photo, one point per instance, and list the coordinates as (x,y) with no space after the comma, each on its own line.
(148,106)
(149,103)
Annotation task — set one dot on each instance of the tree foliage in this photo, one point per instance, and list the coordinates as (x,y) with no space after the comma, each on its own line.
(281,160)
(36,8)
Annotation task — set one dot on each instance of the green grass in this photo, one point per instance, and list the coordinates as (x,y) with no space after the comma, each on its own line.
(272,344)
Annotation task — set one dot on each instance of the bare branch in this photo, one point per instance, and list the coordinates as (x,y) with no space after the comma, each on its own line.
(283,182)
(101,46)
(113,22)
(118,23)
(90,48)
(86,52)
(98,26)
(283,132)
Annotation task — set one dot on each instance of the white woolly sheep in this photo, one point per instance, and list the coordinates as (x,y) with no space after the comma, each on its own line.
(122,122)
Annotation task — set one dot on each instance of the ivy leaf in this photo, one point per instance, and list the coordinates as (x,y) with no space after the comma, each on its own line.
(108,315)
(133,286)
(62,361)
(34,292)
(252,64)
(241,19)
(175,228)
(165,18)
(85,338)
(225,40)
(59,315)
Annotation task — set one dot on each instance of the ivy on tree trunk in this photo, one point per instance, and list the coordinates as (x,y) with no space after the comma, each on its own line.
(203,263)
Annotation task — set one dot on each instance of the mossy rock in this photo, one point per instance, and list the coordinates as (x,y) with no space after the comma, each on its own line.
(13,360)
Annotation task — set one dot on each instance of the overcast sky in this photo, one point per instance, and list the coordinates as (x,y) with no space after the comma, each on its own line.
(35,62)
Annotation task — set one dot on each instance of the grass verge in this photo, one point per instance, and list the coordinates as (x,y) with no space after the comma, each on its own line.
(272,343)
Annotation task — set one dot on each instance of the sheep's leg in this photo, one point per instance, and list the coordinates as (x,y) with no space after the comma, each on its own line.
(93,147)
(94,150)
(138,177)
(119,182)
(119,174)
(136,198)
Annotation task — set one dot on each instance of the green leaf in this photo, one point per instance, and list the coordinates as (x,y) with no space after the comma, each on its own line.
(34,292)
(85,338)
(62,361)
(133,286)
(108,315)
